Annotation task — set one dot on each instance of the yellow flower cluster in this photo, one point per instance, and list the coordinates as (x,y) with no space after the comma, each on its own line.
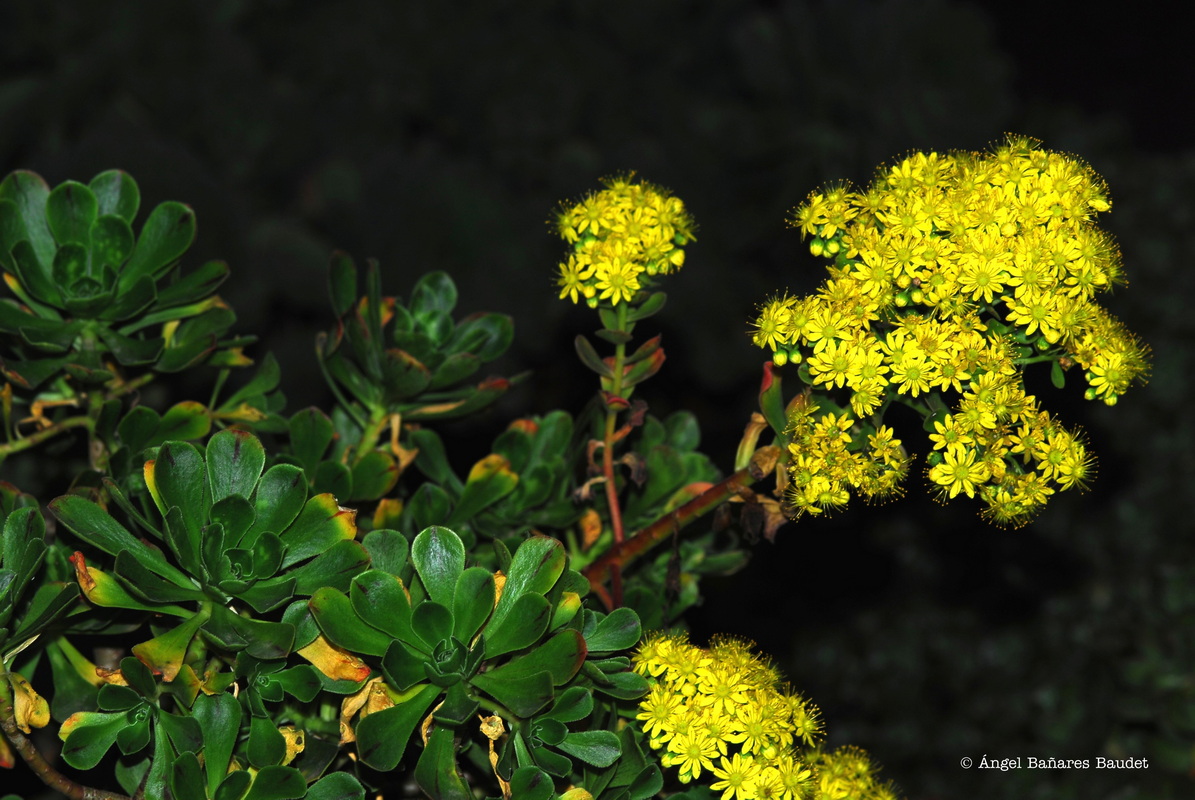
(848,774)
(950,274)
(622,236)
(827,462)
(722,712)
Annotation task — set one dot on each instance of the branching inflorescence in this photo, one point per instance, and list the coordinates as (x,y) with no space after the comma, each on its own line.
(950,275)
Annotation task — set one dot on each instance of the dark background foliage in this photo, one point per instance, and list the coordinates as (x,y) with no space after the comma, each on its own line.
(442,136)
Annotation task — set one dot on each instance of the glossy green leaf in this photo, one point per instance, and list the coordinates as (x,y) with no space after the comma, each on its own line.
(131,302)
(71,265)
(116,193)
(561,656)
(94,525)
(25,218)
(37,279)
(336,786)
(111,240)
(311,433)
(130,351)
(233,786)
(191,287)
(261,639)
(429,506)
(342,283)
(334,568)
(22,548)
(186,778)
(439,557)
(387,550)
(403,665)
(334,478)
(431,622)
(334,613)
(302,681)
(619,630)
(590,358)
(472,602)
(88,735)
(522,627)
(573,704)
(486,336)
(522,693)
(235,515)
(219,718)
(532,783)
(185,733)
(267,595)
(489,481)
(320,524)
(435,291)
(50,601)
(235,459)
(136,735)
(70,211)
(277,783)
(373,476)
(114,697)
(279,498)
(147,585)
(403,375)
(180,481)
(382,737)
(534,568)
(458,708)
(597,748)
(380,600)
(454,369)
(266,745)
(188,420)
(165,236)
(436,772)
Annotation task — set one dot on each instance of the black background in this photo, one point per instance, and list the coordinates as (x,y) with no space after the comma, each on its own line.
(443,136)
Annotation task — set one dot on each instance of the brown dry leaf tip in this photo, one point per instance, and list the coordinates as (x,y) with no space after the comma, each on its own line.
(404,455)
(29,709)
(369,698)
(591,528)
(493,729)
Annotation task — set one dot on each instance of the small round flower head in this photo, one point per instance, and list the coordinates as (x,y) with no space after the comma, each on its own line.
(622,237)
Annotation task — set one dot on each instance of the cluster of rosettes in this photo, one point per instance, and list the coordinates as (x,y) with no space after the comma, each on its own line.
(622,236)
(950,274)
(722,717)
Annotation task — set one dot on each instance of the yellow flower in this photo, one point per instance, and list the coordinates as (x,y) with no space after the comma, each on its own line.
(959,471)
(736,776)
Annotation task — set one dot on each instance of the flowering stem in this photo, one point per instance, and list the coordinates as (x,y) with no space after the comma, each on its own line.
(620,352)
(622,553)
